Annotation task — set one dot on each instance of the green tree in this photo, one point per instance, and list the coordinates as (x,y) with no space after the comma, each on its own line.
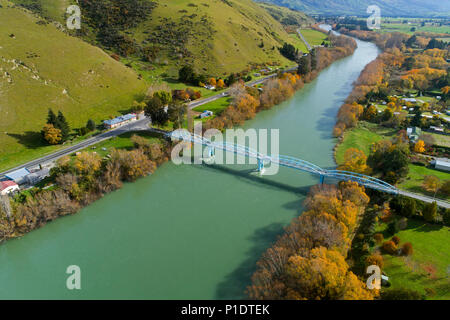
(63,125)
(429,211)
(164,96)
(186,74)
(156,111)
(90,125)
(446,217)
(51,117)
(304,65)
(176,112)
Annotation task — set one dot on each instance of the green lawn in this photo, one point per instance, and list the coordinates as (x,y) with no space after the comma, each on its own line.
(120,142)
(216,106)
(413,182)
(314,37)
(441,140)
(428,266)
(362,137)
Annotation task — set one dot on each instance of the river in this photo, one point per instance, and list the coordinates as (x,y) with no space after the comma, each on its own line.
(189,231)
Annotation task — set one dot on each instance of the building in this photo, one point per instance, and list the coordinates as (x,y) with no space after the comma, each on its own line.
(442,164)
(37,176)
(120,121)
(206,114)
(413,133)
(412,100)
(18,176)
(8,186)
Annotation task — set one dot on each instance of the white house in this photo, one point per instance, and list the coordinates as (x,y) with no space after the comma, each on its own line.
(120,121)
(206,114)
(8,186)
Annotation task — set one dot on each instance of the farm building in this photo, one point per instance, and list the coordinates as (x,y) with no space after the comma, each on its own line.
(206,114)
(120,121)
(18,176)
(442,164)
(8,186)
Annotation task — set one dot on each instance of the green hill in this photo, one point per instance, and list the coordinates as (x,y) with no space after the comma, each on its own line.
(216,36)
(42,67)
(398,8)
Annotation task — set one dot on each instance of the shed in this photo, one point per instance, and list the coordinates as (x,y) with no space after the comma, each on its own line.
(18,176)
(8,186)
(442,164)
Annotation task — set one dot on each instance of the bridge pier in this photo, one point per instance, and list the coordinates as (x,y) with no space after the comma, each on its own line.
(260,165)
(211,151)
(322,179)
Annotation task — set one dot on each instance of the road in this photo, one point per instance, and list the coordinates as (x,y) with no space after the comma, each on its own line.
(440,203)
(133,126)
(304,40)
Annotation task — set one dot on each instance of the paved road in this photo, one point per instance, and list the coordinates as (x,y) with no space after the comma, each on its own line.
(304,40)
(133,126)
(440,203)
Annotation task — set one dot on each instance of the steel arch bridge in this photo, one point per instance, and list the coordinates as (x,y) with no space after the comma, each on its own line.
(285,161)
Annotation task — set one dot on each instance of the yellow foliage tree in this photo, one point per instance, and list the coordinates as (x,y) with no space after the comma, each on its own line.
(431,183)
(355,161)
(51,134)
(419,147)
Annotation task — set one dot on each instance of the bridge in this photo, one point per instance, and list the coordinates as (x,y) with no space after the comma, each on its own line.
(285,161)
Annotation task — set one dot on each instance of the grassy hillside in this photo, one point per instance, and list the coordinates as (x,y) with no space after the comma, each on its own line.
(41,68)
(287,16)
(216,36)
(403,8)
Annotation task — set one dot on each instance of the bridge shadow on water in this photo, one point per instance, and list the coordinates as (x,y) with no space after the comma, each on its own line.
(233,286)
(247,176)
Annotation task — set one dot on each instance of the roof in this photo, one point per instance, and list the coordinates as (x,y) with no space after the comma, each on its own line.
(18,174)
(443,163)
(120,119)
(6,184)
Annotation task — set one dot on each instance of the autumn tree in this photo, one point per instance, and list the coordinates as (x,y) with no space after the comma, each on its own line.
(419,146)
(355,161)
(51,134)
(429,211)
(431,183)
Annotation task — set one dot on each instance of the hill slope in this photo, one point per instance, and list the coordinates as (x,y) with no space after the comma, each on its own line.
(41,68)
(404,8)
(216,36)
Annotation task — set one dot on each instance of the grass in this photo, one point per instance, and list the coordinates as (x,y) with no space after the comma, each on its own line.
(414,179)
(362,137)
(216,106)
(314,37)
(120,142)
(441,140)
(428,266)
(97,86)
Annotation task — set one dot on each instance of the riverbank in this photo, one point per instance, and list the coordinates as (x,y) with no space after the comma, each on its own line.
(80,181)
(214,221)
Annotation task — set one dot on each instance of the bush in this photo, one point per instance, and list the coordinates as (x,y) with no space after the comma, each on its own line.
(407,249)
(446,217)
(375,259)
(378,237)
(389,247)
(430,212)
(401,294)
(84,131)
(392,228)
(402,224)
(396,240)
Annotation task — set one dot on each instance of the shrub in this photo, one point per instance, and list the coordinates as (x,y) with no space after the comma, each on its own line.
(446,217)
(396,240)
(407,249)
(402,224)
(401,294)
(389,247)
(430,211)
(375,259)
(378,238)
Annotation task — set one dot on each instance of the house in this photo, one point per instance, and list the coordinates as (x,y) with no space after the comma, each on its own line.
(210,87)
(8,186)
(120,121)
(437,129)
(413,133)
(442,164)
(206,114)
(412,100)
(18,176)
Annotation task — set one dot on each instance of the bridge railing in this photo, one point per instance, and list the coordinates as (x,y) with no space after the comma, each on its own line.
(287,161)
